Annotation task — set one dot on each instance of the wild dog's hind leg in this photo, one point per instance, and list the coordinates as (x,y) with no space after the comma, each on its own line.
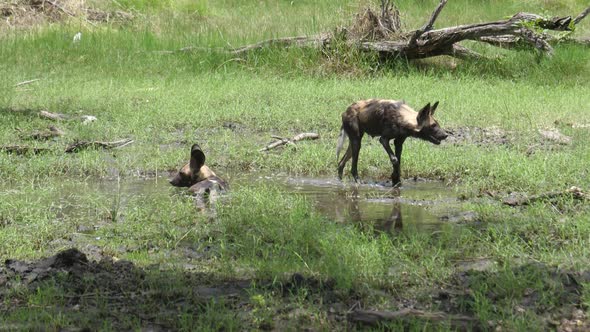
(395,177)
(355,135)
(343,161)
(355,145)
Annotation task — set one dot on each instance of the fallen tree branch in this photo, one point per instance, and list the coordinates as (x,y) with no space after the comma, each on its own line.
(558,24)
(280,141)
(520,29)
(53,116)
(317,41)
(582,15)
(81,145)
(428,26)
(573,192)
(373,318)
(86,119)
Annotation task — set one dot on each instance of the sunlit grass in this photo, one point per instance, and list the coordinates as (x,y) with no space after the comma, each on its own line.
(232,105)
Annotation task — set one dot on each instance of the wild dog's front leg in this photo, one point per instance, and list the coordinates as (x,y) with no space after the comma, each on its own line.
(385,142)
(394,160)
(396,176)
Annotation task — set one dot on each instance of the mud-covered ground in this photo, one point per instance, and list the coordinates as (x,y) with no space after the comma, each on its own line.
(85,292)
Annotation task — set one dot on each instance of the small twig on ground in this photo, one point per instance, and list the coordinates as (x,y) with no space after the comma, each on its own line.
(282,141)
(53,116)
(27,82)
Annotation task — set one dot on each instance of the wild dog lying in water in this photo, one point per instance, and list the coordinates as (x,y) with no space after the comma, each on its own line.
(199,178)
(389,119)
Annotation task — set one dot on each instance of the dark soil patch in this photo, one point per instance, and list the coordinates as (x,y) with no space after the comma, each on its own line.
(88,292)
(544,140)
(551,294)
(476,135)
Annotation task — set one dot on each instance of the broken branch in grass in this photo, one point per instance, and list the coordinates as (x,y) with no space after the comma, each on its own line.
(81,145)
(581,16)
(27,82)
(280,141)
(573,192)
(86,119)
(53,116)
(430,24)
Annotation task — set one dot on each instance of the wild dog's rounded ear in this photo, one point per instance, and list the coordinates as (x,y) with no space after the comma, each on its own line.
(197,158)
(433,108)
(423,114)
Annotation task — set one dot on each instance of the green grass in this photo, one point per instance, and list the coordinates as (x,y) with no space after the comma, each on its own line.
(231,106)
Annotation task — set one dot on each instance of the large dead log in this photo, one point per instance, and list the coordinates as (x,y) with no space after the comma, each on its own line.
(389,42)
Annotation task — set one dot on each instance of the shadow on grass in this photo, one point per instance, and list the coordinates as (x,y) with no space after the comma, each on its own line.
(69,291)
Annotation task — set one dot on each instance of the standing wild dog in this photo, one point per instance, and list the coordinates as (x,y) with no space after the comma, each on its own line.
(389,119)
(199,178)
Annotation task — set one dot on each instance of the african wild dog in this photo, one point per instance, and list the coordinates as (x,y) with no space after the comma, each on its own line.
(199,178)
(389,119)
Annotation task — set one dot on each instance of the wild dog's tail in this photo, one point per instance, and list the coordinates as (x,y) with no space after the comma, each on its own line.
(340,143)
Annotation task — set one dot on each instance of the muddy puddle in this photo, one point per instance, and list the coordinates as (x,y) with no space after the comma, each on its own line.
(376,205)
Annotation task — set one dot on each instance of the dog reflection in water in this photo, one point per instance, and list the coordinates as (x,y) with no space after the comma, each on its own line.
(390,223)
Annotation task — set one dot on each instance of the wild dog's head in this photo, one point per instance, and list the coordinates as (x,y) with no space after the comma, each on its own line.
(193,172)
(428,127)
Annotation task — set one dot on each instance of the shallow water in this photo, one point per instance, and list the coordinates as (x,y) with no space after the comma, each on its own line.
(374,204)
